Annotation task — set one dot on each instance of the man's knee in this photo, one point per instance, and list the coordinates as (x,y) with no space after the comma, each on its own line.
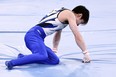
(55,62)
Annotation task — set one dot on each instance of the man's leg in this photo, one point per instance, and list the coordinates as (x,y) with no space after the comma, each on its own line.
(38,49)
(52,58)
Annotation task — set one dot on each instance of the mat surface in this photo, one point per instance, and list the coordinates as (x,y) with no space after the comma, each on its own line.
(17,16)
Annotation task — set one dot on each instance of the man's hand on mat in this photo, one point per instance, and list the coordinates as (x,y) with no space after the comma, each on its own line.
(86,58)
(55,50)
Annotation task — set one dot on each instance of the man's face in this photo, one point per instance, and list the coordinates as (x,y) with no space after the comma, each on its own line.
(79,20)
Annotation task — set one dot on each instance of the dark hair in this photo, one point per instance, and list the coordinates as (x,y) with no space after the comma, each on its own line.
(85,12)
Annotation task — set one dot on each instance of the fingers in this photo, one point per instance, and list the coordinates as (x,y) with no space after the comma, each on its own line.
(86,59)
(54,50)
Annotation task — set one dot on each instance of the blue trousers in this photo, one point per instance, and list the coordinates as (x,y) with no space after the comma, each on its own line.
(34,40)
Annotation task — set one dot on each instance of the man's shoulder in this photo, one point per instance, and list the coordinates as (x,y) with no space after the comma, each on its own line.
(67,13)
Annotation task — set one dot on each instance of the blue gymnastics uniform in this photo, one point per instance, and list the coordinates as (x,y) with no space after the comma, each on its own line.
(34,40)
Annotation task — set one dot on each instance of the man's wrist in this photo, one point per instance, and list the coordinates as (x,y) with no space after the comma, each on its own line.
(54,48)
(85,52)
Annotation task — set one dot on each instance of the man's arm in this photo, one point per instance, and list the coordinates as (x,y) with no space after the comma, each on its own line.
(56,40)
(78,38)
